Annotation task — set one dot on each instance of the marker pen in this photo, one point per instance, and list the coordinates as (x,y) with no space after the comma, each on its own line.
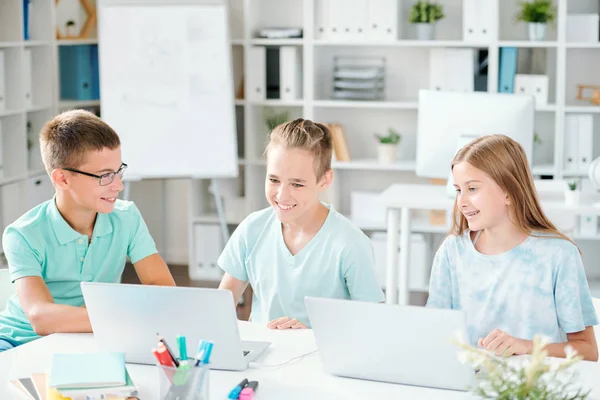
(235,393)
(248,392)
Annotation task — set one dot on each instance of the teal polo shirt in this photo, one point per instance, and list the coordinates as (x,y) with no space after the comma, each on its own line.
(41,243)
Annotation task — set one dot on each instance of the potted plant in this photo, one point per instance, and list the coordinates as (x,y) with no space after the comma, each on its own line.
(388,146)
(424,15)
(572,194)
(537,14)
(273,118)
(69,26)
(526,378)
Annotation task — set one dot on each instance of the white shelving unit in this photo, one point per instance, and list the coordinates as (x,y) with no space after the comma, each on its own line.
(23,180)
(407,62)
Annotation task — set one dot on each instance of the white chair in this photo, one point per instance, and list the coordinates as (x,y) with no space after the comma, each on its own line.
(7,289)
(597,327)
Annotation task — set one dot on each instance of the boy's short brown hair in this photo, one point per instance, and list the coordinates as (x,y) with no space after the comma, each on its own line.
(67,138)
(308,135)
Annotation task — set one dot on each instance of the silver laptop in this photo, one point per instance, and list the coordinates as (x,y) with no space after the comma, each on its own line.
(127,318)
(387,343)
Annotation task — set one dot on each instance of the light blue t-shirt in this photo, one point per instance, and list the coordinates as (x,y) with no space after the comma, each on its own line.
(41,243)
(337,263)
(538,287)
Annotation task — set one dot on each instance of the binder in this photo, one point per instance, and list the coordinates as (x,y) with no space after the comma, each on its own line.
(382,20)
(571,145)
(2,82)
(26,19)
(508,69)
(522,84)
(539,89)
(479,20)
(27,78)
(452,70)
(323,20)
(586,142)
(79,78)
(257,74)
(290,73)
(336,19)
(358,20)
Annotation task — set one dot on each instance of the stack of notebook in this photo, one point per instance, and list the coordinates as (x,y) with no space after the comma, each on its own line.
(77,376)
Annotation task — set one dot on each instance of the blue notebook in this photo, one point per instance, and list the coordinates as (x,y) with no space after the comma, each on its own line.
(87,370)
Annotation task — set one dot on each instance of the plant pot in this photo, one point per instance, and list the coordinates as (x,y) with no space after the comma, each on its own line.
(572,197)
(537,31)
(425,31)
(386,153)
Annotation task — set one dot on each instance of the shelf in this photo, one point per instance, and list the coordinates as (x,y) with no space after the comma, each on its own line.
(212,218)
(396,105)
(374,165)
(582,109)
(527,44)
(78,103)
(276,103)
(544,169)
(75,42)
(34,43)
(10,44)
(546,108)
(583,45)
(22,176)
(6,113)
(240,102)
(403,43)
(39,108)
(277,42)
(575,174)
(237,42)
(417,224)
(586,237)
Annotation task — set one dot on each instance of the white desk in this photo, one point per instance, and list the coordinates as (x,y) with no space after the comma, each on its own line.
(302,379)
(400,200)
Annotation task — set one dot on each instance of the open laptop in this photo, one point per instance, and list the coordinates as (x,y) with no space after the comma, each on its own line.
(388,343)
(126,318)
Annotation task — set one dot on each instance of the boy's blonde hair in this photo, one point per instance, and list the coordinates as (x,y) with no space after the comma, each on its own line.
(505,161)
(305,134)
(67,138)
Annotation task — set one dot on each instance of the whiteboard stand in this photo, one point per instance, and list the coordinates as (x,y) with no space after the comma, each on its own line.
(220,212)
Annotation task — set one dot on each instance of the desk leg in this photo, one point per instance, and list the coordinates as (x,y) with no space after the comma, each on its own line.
(391,268)
(405,234)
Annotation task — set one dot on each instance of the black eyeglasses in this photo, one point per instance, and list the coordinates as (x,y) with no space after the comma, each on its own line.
(105,179)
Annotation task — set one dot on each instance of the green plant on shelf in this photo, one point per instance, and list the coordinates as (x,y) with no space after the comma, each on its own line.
(425,12)
(573,185)
(274,118)
(537,11)
(70,25)
(392,137)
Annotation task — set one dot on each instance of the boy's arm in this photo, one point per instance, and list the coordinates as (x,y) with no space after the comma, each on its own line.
(236,286)
(153,270)
(47,317)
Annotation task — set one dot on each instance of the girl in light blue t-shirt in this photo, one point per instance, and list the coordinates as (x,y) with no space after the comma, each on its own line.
(505,264)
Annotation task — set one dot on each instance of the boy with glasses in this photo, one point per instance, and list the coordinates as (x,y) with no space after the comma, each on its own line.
(83,234)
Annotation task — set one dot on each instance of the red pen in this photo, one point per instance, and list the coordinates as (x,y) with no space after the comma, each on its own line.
(248,392)
(163,357)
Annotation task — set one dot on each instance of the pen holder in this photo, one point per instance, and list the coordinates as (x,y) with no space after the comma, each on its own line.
(187,382)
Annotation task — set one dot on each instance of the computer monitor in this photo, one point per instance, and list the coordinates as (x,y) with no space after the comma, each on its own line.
(449,120)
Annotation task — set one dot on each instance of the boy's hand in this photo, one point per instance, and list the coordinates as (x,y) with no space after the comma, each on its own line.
(502,344)
(286,323)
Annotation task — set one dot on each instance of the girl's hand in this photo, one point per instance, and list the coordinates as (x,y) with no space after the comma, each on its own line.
(502,344)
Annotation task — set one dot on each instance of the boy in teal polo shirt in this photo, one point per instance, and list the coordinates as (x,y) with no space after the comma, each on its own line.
(83,234)
(299,246)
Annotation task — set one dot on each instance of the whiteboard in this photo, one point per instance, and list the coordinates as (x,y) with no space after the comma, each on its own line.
(166,86)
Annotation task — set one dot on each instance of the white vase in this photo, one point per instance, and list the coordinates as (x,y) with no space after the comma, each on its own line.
(572,197)
(425,31)
(537,31)
(386,153)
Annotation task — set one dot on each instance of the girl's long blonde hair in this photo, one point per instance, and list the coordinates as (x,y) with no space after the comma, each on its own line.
(505,161)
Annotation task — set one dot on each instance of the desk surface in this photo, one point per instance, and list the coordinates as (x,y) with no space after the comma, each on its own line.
(301,379)
(434,197)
